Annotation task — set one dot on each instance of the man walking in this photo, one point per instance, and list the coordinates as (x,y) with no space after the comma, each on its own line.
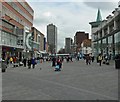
(33,62)
(100,59)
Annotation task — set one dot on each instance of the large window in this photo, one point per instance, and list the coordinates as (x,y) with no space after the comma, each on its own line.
(95,48)
(104,46)
(117,43)
(8,39)
(0,37)
(110,44)
(99,46)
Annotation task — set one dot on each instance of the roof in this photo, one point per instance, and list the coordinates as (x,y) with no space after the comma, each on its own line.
(99,17)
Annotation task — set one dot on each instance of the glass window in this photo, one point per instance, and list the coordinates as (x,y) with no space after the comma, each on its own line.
(117,43)
(0,36)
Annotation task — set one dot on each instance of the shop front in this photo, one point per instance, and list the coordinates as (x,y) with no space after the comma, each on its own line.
(8,51)
(117,43)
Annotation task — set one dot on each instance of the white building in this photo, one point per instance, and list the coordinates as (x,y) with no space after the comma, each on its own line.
(106,34)
(85,50)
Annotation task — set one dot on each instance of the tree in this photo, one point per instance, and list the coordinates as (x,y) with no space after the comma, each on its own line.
(87,43)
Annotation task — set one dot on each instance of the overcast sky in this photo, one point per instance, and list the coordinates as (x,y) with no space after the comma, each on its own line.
(69,16)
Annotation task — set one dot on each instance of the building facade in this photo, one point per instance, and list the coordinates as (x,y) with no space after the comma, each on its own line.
(106,35)
(79,38)
(17,19)
(52,38)
(68,45)
(86,47)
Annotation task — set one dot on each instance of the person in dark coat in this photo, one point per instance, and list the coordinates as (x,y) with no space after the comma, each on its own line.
(60,64)
(92,58)
(53,61)
(29,63)
(8,58)
(24,62)
(88,59)
(33,62)
(67,59)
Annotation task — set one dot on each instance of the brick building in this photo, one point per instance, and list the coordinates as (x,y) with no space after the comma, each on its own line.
(79,38)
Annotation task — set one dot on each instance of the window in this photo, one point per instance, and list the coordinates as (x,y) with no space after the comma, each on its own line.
(117,43)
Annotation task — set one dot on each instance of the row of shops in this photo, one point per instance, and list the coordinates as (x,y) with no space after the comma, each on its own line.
(106,34)
(108,45)
(27,48)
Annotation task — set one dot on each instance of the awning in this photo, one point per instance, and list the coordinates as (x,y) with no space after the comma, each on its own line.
(42,51)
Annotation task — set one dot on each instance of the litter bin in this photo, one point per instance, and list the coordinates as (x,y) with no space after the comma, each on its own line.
(117,61)
(4,66)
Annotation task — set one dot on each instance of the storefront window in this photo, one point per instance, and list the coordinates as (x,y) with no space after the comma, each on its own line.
(117,43)
(8,39)
(99,46)
(104,46)
(0,37)
(95,48)
(110,44)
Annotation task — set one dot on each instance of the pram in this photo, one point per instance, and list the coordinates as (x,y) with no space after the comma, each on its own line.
(57,68)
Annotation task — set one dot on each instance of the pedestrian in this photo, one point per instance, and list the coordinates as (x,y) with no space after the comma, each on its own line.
(60,63)
(14,59)
(62,58)
(24,62)
(29,63)
(8,60)
(67,58)
(92,58)
(33,62)
(78,57)
(71,58)
(88,59)
(53,61)
(11,60)
(100,58)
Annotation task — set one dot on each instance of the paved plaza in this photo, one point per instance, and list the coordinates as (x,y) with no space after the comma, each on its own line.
(76,81)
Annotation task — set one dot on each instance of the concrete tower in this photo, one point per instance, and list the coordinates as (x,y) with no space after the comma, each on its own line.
(52,38)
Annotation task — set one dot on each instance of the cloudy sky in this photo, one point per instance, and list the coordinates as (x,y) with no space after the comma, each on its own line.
(69,16)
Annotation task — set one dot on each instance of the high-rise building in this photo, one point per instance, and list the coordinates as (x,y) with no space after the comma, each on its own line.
(68,45)
(79,38)
(52,38)
(17,19)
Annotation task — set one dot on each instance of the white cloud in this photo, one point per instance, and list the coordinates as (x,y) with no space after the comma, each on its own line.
(47,14)
(69,17)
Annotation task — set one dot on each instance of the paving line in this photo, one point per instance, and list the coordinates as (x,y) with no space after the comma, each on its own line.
(83,90)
